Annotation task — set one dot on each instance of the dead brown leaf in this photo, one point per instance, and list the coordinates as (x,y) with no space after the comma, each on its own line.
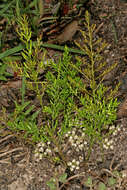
(122,110)
(68,32)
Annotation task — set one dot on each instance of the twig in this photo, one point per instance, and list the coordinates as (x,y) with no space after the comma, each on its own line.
(20,149)
(98,28)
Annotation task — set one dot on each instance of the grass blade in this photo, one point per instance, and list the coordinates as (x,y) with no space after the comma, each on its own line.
(45,45)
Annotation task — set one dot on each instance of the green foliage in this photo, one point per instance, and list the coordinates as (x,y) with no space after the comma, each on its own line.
(63,178)
(96,113)
(10,11)
(21,120)
(61,94)
(61,100)
(110,182)
(53,183)
(29,71)
(95,68)
(3,73)
(97,106)
(9,7)
(101,186)
(89,182)
(32,65)
(74,91)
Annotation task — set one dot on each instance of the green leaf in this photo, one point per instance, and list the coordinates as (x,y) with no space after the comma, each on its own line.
(111,181)
(3,68)
(3,78)
(51,184)
(20,108)
(6,7)
(34,115)
(48,109)
(89,182)
(27,112)
(101,186)
(116,173)
(63,178)
(53,46)
(11,51)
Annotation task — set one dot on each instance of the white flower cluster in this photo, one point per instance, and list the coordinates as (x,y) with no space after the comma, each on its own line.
(108,144)
(115,130)
(77,141)
(42,149)
(75,164)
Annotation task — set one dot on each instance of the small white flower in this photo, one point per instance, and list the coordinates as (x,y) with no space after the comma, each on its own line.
(118,129)
(69,163)
(111,147)
(41,149)
(124,174)
(76,137)
(114,133)
(48,151)
(45,153)
(77,168)
(71,169)
(77,163)
(39,144)
(70,138)
(111,142)
(48,143)
(71,141)
(104,146)
(85,143)
(77,149)
(112,127)
(81,146)
(73,161)
(77,142)
(40,156)
(42,144)
(54,179)
(83,134)
(73,166)
(36,155)
(106,140)
(80,158)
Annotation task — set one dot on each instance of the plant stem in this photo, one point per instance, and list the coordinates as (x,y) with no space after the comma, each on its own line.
(60,151)
(23,87)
